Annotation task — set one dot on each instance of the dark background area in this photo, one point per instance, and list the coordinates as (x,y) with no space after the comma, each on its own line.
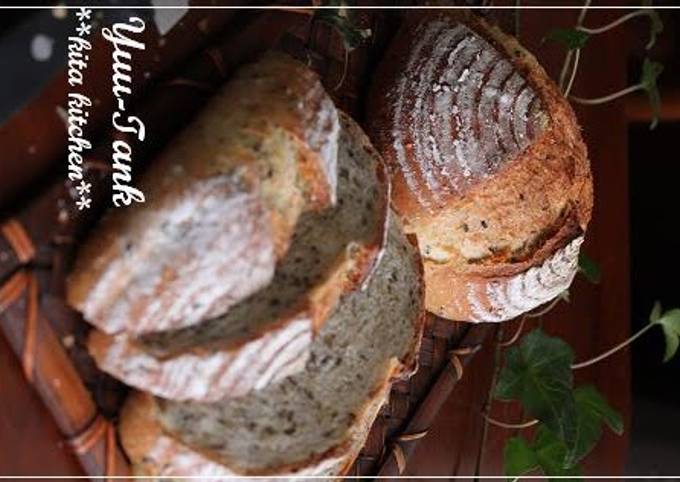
(654,167)
(655,264)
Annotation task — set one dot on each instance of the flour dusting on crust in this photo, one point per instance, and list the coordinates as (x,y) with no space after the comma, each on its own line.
(461,109)
(503,300)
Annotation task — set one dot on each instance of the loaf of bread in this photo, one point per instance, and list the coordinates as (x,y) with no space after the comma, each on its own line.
(221,205)
(311,423)
(267,336)
(487,164)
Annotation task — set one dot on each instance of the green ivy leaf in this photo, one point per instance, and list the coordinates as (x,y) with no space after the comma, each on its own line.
(571,38)
(537,372)
(593,410)
(670,323)
(672,343)
(651,71)
(551,453)
(546,453)
(340,19)
(589,268)
(518,457)
(590,399)
(656,313)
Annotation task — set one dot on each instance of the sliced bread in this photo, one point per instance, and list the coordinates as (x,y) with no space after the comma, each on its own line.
(313,422)
(222,202)
(487,163)
(267,336)
(157,454)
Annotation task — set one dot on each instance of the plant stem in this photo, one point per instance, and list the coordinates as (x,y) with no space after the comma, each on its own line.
(613,350)
(545,310)
(567,59)
(565,68)
(537,314)
(498,423)
(344,70)
(611,25)
(514,337)
(582,14)
(607,98)
(577,56)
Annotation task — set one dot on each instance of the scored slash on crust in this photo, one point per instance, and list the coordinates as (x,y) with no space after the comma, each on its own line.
(488,166)
(466,87)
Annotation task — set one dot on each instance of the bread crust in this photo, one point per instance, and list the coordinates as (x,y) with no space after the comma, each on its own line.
(408,365)
(222,198)
(491,224)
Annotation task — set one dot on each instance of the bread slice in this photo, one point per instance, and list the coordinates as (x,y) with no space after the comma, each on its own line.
(488,165)
(156,454)
(314,421)
(267,336)
(221,205)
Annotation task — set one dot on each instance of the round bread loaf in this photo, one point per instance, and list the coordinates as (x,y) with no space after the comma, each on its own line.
(488,166)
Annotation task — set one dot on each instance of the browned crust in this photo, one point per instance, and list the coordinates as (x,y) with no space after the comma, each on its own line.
(409,363)
(560,139)
(139,430)
(450,296)
(564,130)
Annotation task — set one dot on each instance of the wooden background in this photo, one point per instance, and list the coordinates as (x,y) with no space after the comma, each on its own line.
(596,318)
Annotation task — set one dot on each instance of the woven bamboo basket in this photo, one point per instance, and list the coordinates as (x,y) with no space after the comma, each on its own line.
(40,232)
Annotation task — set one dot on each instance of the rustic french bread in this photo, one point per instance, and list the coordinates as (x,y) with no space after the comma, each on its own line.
(312,422)
(267,336)
(221,205)
(487,164)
